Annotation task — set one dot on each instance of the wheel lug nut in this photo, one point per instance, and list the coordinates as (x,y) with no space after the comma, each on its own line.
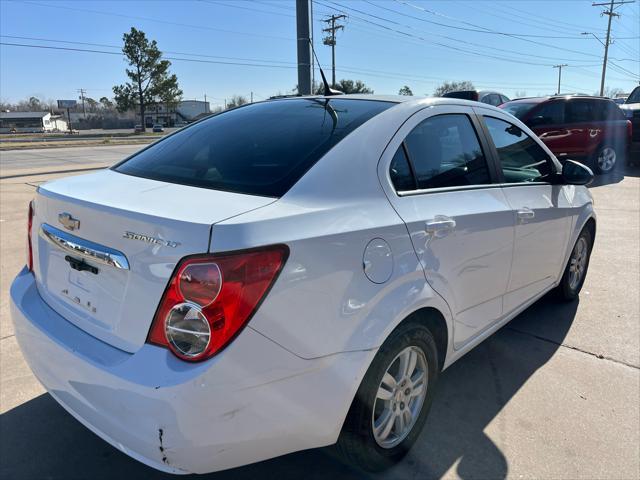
(407,391)
(402,406)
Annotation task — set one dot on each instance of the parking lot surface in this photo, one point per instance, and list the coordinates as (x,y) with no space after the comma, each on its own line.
(554,394)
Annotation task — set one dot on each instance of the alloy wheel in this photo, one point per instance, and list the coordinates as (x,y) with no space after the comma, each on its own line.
(578,263)
(400,397)
(606,159)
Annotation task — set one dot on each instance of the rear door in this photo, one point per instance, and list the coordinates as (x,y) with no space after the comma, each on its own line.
(461,225)
(585,127)
(547,122)
(542,210)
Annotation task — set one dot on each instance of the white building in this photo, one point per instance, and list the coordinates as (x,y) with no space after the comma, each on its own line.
(186,111)
(30,122)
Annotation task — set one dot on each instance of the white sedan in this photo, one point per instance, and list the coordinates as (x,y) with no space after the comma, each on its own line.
(291,274)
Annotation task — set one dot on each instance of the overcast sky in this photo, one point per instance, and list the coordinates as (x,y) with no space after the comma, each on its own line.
(232,47)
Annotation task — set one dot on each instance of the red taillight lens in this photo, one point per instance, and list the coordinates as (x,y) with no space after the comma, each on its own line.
(211,298)
(29,247)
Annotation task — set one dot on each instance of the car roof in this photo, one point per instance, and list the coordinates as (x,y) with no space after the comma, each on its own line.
(558,97)
(399,99)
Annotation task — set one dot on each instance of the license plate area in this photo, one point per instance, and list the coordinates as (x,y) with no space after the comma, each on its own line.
(84,291)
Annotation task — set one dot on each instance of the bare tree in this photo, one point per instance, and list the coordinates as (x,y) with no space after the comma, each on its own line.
(447,87)
(236,101)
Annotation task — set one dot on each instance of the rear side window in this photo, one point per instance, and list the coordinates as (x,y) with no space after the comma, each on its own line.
(400,172)
(521,158)
(259,149)
(577,111)
(492,99)
(445,152)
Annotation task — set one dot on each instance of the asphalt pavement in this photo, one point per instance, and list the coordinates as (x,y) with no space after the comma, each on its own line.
(553,395)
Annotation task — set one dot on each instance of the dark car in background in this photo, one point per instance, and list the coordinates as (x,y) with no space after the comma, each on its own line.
(631,109)
(593,130)
(483,96)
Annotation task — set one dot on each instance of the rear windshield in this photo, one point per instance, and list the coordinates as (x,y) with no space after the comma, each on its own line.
(259,149)
(518,109)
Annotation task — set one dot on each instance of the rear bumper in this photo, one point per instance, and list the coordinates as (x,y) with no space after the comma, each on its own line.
(252,402)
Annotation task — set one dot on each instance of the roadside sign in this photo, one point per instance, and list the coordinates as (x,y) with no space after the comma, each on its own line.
(67,103)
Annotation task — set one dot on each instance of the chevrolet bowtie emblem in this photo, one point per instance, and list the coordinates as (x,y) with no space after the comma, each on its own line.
(68,221)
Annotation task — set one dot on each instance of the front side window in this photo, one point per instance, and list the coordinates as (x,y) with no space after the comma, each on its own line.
(445,152)
(258,149)
(521,158)
(549,113)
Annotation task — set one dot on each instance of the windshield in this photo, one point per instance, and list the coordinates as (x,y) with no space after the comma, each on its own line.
(518,109)
(258,149)
(635,96)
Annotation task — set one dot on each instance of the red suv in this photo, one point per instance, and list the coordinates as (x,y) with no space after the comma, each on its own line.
(591,129)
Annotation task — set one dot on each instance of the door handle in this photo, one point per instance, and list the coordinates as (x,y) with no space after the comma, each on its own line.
(440,226)
(526,213)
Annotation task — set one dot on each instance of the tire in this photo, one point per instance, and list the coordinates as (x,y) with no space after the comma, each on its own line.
(357,442)
(570,286)
(605,159)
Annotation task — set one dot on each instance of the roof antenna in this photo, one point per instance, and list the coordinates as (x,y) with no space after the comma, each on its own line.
(328,91)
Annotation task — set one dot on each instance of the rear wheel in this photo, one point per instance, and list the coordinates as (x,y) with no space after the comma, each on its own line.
(605,159)
(576,269)
(393,400)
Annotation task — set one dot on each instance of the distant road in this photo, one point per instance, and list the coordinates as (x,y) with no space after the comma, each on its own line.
(93,133)
(14,162)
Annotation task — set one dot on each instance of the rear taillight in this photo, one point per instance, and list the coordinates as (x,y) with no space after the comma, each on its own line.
(629,131)
(211,298)
(29,247)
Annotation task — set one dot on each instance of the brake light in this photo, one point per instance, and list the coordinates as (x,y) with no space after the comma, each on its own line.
(629,131)
(29,247)
(210,298)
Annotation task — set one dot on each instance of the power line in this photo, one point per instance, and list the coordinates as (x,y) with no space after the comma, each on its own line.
(157,20)
(119,47)
(212,2)
(578,28)
(481,29)
(406,35)
(383,74)
(195,60)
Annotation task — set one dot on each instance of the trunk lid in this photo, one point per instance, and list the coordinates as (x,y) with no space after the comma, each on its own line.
(144,226)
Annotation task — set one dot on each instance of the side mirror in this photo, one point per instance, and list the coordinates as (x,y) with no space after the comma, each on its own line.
(574,173)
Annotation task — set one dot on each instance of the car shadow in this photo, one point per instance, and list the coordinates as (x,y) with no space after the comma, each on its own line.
(617,175)
(38,439)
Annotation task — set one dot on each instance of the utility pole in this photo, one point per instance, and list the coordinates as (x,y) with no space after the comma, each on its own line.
(559,67)
(303,29)
(330,39)
(610,13)
(82,91)
(251,97)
